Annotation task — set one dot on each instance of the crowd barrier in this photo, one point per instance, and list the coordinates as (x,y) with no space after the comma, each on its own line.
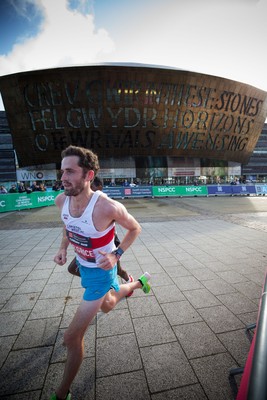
(22,201)
(185,191)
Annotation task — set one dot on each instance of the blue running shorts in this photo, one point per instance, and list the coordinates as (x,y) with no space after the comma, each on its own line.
(97,282)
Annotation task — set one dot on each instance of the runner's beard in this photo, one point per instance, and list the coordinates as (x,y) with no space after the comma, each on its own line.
(74,190)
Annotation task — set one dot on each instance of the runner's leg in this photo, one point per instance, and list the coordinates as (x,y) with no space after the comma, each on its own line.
(122,272)
(73,340)
(112,297)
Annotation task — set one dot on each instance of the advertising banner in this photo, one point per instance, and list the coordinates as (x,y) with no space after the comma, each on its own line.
(181,191)
(193,190)
(137,191)
(261,189)
(22,201)
(165,191)
(114,192)
(243,189)
(219,190)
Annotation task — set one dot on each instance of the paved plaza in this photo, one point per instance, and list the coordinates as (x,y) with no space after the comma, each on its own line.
(207,258)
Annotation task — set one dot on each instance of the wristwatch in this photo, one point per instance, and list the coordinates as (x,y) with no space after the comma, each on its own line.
(118,252)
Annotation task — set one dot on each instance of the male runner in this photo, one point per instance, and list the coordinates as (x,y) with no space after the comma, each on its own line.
(89,219)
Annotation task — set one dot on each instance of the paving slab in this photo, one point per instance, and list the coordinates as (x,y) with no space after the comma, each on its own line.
(207,258)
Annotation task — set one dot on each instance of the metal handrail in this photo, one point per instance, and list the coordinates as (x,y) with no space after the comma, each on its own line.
(257,385)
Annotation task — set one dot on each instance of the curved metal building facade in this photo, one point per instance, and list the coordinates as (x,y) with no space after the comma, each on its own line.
(131,110)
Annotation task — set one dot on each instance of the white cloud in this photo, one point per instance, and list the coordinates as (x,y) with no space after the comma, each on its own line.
(66,37)
(226,38)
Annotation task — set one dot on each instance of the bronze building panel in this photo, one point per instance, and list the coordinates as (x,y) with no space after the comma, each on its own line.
(131,110)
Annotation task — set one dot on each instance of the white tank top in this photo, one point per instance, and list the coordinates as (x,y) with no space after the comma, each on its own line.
(82,234)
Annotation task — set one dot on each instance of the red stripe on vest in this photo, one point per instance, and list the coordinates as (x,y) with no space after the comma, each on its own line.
(104,240)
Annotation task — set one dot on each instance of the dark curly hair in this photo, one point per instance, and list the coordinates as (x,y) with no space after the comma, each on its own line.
(87,159)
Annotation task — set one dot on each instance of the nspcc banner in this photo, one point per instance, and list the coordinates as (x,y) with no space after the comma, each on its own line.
(181,191)
(22,201)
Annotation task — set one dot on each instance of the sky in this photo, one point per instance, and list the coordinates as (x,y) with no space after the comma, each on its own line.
(225,38)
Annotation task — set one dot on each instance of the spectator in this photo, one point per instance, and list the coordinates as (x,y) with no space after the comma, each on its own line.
(28,189)
(35,187)
(13,189)
(42,187)
(3,190)
(21,187)
(56,186)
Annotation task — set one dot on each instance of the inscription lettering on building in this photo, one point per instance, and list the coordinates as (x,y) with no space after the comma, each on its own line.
(162,112)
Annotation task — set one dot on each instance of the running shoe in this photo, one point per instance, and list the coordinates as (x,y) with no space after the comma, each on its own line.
(144,282)
(131,279)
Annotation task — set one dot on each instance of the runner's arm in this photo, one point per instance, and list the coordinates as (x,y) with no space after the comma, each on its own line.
(61,256)
(127,221)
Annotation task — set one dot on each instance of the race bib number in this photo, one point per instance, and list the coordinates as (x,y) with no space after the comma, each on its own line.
(82,246)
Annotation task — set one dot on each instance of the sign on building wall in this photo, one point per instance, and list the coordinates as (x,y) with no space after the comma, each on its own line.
(38,175)
(124,111)
(112,173)
(234,169)
(184,166)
